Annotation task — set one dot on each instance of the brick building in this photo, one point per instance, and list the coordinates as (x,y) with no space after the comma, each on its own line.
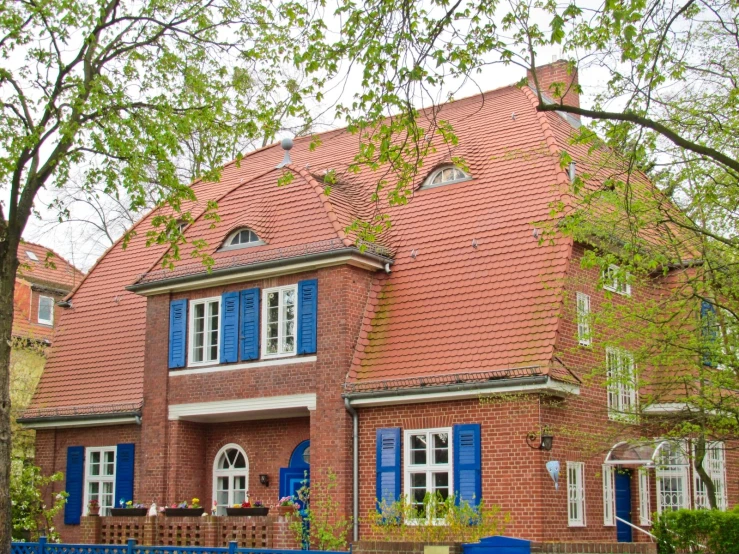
(302,350)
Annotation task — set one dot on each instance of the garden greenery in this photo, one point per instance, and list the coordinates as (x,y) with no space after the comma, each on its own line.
(439,520)
(30,515)
(708,531)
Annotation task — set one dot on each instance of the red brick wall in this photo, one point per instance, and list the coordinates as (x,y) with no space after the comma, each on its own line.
(51,457)
(556,72)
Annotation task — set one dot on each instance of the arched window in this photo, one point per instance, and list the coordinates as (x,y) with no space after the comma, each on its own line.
(230,477)
(444,176)
(242,238)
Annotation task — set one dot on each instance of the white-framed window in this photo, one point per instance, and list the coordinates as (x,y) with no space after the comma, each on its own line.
(241,238)
(645,498)
(715,465)
(445,176)
(616,280)
(46,310)
(428,470)
(230,477)
(204,339)
(672,477)
(100,477)
(576,494)
(609,496)
(279,317)
(621,384)
(583,319)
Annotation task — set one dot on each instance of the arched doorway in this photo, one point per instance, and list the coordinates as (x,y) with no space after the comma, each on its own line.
(297,474)
(230,477)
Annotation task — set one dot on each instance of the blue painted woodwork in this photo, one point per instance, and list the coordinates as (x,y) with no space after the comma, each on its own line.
(249,326)
(307,316)
(177,333)
(124,462)
(623,504)
(388,465)
(467,462)
(296,458)
(291,481)
(75,478)
(498,545)
(229,327)
(43,547)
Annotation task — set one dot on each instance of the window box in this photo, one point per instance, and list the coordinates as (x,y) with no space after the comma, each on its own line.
(286,510)
(128,512)
(263,511)
(184,512)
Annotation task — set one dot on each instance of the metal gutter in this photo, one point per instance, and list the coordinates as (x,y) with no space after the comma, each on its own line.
(70,420)
(355,468)
(373,259)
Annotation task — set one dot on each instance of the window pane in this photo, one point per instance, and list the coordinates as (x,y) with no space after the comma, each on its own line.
(441,448)
(93,491)
(418,449)
(45,307)
(109,468)
(94,463)
(239,461)
(199,332)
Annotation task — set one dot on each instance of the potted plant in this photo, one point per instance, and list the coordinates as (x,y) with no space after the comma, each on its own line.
(129,508)
(183,509)
(247,509)
(93,508)
(286,506)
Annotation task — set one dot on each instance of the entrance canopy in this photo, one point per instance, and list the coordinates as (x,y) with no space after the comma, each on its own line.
(634,453)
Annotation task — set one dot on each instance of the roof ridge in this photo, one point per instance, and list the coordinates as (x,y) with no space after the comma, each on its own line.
(325,202)
(56,254)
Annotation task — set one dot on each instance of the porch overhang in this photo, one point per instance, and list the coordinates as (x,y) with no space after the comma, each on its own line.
(247,409)
(634,454)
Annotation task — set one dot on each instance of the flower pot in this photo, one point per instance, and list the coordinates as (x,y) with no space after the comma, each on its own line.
(129,512)
(247,511)
(93,511)
(184,512)
(286,510)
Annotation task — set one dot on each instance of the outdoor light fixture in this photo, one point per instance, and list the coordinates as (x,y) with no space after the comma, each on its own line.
(264,478)
(546,441)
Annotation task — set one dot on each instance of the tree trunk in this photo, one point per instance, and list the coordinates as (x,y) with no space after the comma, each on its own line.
(8,269)
(700,455)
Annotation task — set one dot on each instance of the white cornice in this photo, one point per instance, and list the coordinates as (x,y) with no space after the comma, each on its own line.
(555,388)
(268,407)
(248,365)
(250,274)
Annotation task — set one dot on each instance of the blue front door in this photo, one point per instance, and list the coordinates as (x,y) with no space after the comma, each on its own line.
(297,474)
(623,504)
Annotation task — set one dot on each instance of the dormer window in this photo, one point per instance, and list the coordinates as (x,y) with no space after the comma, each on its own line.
(445,176)
(31,256)
(242,238)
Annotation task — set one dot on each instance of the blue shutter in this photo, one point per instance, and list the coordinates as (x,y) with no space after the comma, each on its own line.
(388,465)
(177,332)
(124,461)
(229,327)
(249,332)
(467,461)
(307,312)
(75,478)
(709,331)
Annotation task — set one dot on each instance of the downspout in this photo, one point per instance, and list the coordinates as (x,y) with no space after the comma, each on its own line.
(355,468)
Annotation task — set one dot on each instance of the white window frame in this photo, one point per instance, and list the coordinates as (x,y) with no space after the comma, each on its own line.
(430,468)
(583,319)
(609,496)
(645,497)
(227,243)
(612,283)
(715,465)
(38,311)
(207,330)
(280,323)
(230,474)
(427,184)
(677,470)
(622,399)
(99,478)
(576,494)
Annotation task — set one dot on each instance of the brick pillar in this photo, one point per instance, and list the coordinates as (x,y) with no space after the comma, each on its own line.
(210,529)
(90,527)
(283,538)
(150,531)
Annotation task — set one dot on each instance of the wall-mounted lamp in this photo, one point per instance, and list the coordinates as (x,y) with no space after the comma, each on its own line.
(264,479)
(546,441)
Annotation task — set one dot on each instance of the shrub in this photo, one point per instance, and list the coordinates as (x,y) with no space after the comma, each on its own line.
(29,514)
(709,531)
(403,522)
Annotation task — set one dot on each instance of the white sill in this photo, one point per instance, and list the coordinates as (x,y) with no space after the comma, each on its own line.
(244,365)
(241,246)
(47,323)
(204,364)
(576,525)
(266,356)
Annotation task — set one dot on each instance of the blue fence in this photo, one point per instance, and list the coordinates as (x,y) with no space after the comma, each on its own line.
(43,547)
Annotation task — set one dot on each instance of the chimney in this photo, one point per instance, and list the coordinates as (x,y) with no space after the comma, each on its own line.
(557,72)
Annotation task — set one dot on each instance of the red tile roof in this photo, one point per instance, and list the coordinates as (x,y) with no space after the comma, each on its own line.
(451,309)
(48,268)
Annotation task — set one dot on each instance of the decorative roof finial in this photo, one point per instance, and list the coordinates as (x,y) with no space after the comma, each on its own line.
(287,144)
